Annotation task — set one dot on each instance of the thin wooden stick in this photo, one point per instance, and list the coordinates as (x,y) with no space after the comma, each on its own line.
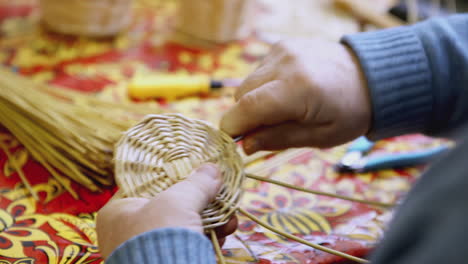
(300,240)
(19,171)
(279,159)
(219,253)
(287,185)
(247,247)
(254,157)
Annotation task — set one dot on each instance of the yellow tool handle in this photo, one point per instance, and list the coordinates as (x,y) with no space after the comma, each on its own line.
(168,86)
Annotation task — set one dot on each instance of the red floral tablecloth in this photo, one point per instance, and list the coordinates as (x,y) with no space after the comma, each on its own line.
(59,229)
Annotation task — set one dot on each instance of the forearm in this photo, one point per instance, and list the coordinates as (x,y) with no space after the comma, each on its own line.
(416,76)
(165,246)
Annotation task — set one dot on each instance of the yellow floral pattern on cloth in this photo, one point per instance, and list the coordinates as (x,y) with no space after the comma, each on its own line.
(58,229)
(23,230)
(29,234)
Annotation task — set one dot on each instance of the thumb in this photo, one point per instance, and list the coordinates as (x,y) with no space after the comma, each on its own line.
(199,189)
(270,104)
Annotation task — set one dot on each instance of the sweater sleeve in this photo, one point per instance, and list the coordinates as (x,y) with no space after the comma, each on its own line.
(165,246)
(417,76)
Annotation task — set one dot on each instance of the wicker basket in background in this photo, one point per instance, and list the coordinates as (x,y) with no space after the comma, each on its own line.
(215,20)
(95,18)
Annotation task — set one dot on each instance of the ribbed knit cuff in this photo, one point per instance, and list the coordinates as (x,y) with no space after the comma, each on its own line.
(399,80)
(165,246)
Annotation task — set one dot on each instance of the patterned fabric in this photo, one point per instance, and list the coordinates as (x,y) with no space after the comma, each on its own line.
(59,229)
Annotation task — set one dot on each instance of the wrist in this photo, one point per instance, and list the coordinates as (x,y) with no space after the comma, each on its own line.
(399,80)
(360,106)
(155,246)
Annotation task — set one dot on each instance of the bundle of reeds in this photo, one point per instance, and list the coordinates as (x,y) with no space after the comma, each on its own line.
(72,135)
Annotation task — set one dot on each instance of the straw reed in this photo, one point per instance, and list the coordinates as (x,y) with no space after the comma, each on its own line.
(72,135)
(96,18)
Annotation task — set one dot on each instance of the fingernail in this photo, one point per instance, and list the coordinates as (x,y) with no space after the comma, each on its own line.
(209,169)
(224,126)
(230,123)
(250,145)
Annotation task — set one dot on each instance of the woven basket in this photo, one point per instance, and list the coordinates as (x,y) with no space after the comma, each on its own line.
(215,20)
(95,18)
(164,149)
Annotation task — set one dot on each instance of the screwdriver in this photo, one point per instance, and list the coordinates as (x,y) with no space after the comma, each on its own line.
(172,86)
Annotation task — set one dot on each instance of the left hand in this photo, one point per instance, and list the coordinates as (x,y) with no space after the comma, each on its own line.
(178,206)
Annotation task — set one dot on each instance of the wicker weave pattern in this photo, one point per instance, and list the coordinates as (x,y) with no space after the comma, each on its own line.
(164,149)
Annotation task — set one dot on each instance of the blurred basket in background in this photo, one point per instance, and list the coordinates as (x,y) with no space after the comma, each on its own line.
(215,20)
(95,18)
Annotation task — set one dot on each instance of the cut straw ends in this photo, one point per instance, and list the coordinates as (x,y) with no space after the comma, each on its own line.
(72,135)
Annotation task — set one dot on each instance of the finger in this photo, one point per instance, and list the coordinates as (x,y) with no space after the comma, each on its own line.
(114,212)
(259,77)
(288,135)
(266,71)
(227,229)
(275,55)
(271,104)
(200,188)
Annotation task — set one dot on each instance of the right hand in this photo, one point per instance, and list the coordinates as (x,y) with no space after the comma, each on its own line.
(305,93)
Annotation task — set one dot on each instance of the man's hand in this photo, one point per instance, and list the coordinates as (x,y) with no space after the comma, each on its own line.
(178,206)
(304,93)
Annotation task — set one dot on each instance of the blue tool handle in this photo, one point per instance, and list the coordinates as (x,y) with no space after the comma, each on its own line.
(402,160)
(361,144)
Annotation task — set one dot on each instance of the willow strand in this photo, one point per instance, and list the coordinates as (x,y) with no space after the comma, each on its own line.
(29,144)
(254,157)
(298,188)
(300,240)
(218,251)
(19,171)
(275,161)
